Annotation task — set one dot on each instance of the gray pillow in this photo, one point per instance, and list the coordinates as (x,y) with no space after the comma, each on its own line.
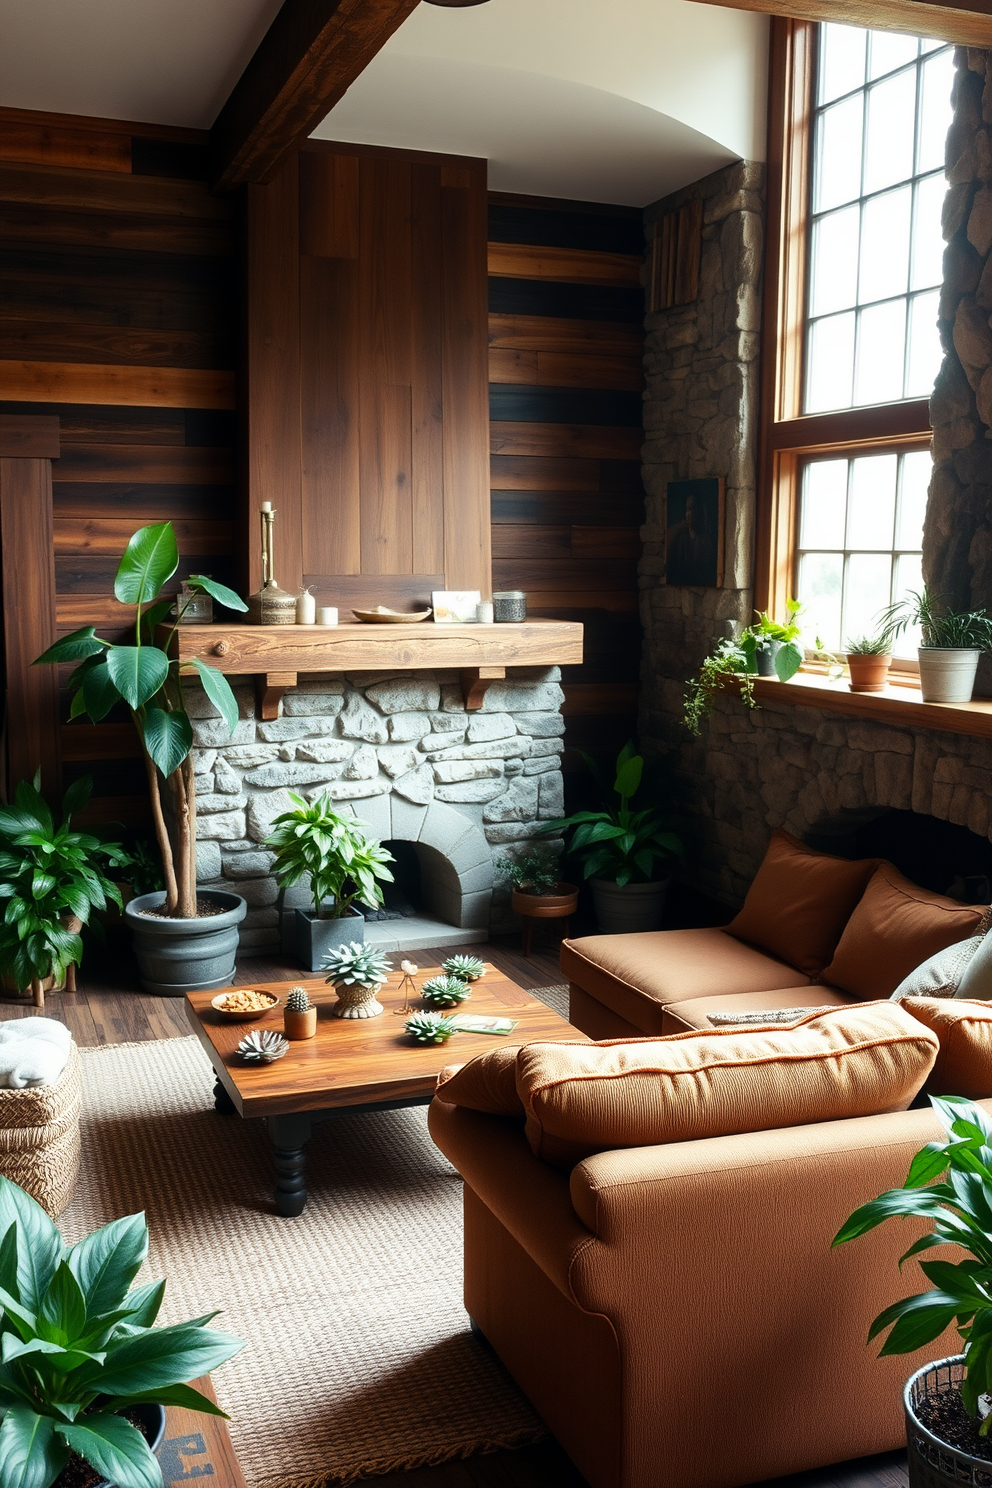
(960,970)
(773,1015)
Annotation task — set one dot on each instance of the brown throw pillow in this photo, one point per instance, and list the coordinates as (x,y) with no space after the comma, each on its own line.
(895,928)
(487,1083)
(800,902)
(858,1060)
(964,1063)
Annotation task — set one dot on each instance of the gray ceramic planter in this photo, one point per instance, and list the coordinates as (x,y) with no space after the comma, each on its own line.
(627,910)
(180,956)
(314,938)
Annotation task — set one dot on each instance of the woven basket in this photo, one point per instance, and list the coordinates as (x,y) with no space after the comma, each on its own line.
(932,1463)
(39,1137)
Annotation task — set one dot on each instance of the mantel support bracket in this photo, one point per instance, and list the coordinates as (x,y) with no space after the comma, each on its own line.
(476,682)
(269,688)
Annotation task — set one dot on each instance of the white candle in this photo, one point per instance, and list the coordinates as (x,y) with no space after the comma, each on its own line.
(266,505)
(306,608)
(328,615)
(484,613)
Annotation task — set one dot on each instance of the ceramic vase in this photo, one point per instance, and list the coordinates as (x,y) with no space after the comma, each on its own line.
(298,1026)
(357,1001)
(947,675)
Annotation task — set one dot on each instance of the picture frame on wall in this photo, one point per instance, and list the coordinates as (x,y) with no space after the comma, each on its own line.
(695,512)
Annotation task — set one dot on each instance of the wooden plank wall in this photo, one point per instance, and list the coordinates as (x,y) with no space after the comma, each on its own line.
(118,313)
(566,340)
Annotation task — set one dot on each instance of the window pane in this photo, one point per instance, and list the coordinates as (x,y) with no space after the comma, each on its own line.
(935,111)
(830,359)
(842,61)
(838,155)
(889,132)
(872,504)
(924,345)
(835,262)
(928,244)
(888,50)
(908,576)
(819,589)
(885,245)
(881,345)
(823,504)
(916,471)
(866,593)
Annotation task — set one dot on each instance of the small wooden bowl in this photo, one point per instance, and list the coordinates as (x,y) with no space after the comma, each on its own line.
(230,1016)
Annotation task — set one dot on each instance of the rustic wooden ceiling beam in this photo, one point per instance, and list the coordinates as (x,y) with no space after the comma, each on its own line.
(309,57)
(949,20)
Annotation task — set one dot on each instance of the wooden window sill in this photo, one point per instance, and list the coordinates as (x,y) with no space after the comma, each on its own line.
(898,705)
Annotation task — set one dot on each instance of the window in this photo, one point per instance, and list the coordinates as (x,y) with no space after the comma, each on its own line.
(859,123)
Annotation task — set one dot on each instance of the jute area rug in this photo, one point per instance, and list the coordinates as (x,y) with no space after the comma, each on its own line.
(359,1357)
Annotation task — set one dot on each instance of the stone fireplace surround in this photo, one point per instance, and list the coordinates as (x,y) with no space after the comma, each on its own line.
(401,753)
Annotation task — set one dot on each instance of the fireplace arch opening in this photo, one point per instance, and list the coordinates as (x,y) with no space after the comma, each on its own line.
(938,855)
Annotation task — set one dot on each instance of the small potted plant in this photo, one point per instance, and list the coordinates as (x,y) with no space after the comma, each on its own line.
(771,649)
(299,1015)
(764,649)
(624,852)
(51,881)
(356,973)
(468,968)
(445,991)
(868,659)
(71,1314)
(947,1403)
(313,843)
(429,1028)
(536,888)
(952,642)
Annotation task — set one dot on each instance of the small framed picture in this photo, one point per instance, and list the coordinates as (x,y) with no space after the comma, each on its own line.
(455,606)
(694,523)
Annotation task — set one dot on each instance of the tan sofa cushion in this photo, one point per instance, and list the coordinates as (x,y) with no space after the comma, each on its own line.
(636,975)
(487,1083)
(687,1017)
(896,926)
(964,1062)
(799,903)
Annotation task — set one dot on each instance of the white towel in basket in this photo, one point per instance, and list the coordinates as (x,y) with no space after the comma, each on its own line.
(33,1051)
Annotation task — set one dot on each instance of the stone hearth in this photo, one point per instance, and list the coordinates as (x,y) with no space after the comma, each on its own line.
(403,755)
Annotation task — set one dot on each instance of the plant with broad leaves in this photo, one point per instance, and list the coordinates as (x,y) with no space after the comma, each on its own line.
(960,1208)
(78,1347)
(312,841)
(617,843)
(51,880)
(765,632)
(149,682)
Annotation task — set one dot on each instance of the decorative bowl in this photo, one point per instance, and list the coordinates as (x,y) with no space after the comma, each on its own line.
(381,616)
(233,1015)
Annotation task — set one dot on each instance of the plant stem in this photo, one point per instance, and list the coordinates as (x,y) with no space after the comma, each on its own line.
(186,909)
(162,835)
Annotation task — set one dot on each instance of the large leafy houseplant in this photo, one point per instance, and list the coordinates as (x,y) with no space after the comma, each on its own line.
(950,1184)
(313,842)
(79,1347)
(51,880)
(149,681)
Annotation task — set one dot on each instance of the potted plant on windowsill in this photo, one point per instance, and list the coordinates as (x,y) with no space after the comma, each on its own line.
(182,940)
(952,643)
(622,850)
(314,843)
(948,1403)
(51,880)
(765,649)
(868,660)
(536,889)
(770,648)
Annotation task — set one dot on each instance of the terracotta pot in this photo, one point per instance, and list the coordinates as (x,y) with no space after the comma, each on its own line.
(868,673)
(357,1002)
(298,1025)
(557,906)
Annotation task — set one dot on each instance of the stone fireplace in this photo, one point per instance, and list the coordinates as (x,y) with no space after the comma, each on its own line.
(403,754)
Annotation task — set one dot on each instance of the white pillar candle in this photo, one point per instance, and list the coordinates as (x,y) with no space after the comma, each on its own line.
(327,615)
(306,608)
(484,612)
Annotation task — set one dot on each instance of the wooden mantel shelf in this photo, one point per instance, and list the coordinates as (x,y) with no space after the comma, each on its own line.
(901,706)
(276,654)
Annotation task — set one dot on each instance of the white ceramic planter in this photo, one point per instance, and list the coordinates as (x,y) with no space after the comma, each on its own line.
(946,675)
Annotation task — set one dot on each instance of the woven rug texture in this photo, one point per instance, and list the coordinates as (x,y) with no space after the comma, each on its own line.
(359,1357)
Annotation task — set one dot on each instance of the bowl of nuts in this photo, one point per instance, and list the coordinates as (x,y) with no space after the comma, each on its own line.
(243,1004)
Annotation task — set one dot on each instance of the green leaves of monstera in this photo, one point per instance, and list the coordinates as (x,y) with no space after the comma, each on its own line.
(142,675)
(78,1345)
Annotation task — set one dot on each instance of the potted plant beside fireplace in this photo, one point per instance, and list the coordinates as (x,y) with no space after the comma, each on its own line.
(947,1403)
(313,843)
(183,940)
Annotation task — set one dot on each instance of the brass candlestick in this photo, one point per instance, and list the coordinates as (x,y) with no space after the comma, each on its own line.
(409,989)
(271,605)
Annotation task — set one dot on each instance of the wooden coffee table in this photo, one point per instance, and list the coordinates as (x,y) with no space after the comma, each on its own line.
(353,1064)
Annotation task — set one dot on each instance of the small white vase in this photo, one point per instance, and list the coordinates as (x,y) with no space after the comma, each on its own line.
(947,675)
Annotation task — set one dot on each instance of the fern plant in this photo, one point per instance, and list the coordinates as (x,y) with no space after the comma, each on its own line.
(952,630)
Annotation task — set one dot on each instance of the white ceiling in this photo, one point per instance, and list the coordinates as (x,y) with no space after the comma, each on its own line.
(609,100)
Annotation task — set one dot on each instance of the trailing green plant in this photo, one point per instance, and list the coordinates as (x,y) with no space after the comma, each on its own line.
(79,1347)
(141,868)
(950,1184)
(298,1000)
(535,870)
(148,680)
(616,842)
(445,991)
(49,877)
(312,841)
(356,965)
(429,1028)
(726,663)
(953,630)
(469,968)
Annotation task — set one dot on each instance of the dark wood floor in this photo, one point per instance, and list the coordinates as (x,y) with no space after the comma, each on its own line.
(107,1010)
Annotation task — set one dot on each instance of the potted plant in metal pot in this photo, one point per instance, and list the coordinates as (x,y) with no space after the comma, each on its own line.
(313,843)
(51,880)
(764,649)
(868,659)
(948,1403)
(536,888)
(952,642)
(770,648)
(624,852)
(86,1374)
(183,940)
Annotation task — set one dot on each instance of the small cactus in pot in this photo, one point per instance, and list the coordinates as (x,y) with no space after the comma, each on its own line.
(299,1015)
(444,991)
(356,972)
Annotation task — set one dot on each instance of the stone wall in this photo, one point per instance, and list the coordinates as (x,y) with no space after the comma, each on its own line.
(398,751)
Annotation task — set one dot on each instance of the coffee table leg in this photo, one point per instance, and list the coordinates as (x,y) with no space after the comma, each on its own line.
(289,1135)
(223,1103)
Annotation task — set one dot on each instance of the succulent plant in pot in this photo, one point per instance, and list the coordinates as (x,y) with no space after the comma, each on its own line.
(183,940)
(299,1015)
(445,991)
(952,642)
(537,891)
(356,972)
(868,659)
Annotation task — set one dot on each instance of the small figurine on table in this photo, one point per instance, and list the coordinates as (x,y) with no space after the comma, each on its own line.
(408,987)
